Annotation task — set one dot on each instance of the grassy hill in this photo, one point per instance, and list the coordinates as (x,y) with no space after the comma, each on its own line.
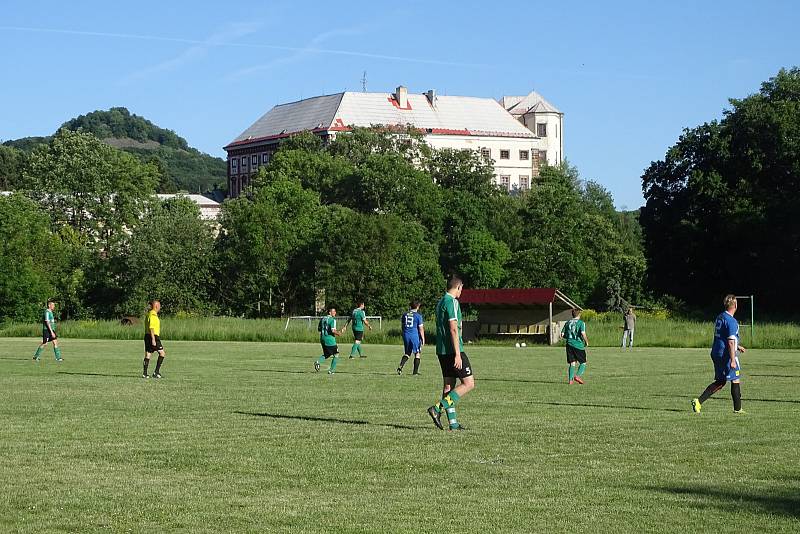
(187,168)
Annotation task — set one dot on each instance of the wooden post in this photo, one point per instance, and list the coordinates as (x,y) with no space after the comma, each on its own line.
(550,325)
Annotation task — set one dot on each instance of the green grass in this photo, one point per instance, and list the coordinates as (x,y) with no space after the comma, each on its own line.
(603,329)
(245,437)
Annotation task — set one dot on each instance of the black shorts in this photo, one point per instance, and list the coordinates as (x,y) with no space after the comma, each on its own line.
(448,365)
(47,337)
(148,344)
(330,350)
(358,335)
(575,355)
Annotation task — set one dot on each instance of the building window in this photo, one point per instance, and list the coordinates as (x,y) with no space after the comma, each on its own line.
(523,155)
(505,154)
(254,161)
(235,166)
(524,182)
(541,129)
(543,157)
(244,164)
(486,153)
(264,158)
(505,182)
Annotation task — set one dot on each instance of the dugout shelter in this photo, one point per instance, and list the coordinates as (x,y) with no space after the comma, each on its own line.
(535,312)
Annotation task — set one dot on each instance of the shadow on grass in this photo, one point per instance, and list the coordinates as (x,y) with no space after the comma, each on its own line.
(98,374)
(776,376)
(330,420)
(721,396)
(614,406)
(786,503)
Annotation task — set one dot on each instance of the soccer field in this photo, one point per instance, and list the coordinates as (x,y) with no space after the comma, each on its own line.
(246,437)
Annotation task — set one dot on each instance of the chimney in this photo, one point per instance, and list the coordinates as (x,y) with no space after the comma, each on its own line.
(431,94)
(402,97)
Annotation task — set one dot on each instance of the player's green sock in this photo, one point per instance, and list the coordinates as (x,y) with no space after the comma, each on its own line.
(38,353)
(354,349)
(321,359)
(581,369)
(571,373)
(57,352)
(359,349)
(449,402)
(333,364)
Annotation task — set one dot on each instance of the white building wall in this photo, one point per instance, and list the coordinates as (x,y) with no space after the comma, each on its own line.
(553,142)
(514,167)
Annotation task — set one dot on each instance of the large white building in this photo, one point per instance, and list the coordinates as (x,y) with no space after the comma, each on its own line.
(543,119)
(460,122)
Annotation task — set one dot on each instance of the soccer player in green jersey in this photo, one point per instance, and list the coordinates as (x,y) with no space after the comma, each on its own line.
(359,320)
(327,338)
(152,339)
(452,358)
(49,333)
(574,332)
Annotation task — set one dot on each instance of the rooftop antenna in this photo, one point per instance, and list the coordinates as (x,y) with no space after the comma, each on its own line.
(364,82)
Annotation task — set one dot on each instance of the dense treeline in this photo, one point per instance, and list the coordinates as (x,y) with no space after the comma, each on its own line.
(372,214)
(720,214)
(182,168)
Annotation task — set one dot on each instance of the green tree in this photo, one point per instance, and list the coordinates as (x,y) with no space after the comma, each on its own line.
(402,267)
(97,190)
(258,242)
(11,163)
(718,216)
(169,257)
(29,259)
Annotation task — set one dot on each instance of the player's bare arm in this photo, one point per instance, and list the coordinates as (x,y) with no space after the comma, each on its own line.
(367,323)
(454,340)
(422,333)
(585,339)
(732,351)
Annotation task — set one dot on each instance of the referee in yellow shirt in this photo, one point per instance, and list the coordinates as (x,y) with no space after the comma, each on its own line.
(152,341)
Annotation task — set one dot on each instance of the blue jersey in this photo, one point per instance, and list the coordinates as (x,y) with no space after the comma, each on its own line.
(725,328)
(410,323)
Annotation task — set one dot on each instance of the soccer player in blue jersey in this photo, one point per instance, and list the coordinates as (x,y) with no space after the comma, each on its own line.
(724,355)
(413,336)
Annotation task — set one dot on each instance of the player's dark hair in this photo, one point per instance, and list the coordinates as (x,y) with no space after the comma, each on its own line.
(453,282)
(414,304)
(576,312)
(152,303)
(50,301)
(330,307)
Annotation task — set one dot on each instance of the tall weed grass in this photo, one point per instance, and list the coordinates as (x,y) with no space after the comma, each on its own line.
(603,330)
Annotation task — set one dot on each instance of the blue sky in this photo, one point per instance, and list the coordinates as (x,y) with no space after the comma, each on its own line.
(629,76)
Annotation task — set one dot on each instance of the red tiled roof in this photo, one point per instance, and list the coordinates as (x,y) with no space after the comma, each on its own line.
(506,297)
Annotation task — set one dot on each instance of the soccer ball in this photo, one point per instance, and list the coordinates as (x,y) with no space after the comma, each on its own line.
(517,345)
(523,345)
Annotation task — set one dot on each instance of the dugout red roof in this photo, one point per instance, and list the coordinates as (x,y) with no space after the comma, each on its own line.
(515,297)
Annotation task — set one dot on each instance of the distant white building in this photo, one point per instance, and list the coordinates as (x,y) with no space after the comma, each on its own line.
(543,119)
(459,122)
(209,209)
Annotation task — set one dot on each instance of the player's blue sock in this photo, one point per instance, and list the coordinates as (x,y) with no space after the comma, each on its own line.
(581,369)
